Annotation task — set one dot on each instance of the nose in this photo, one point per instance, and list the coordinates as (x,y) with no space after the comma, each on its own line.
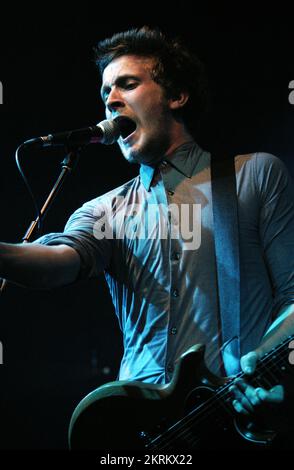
(114,100)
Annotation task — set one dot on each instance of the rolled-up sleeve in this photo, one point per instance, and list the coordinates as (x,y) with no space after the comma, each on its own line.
(277,225)
(80,233)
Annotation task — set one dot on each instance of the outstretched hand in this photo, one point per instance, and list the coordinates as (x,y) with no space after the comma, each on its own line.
(248,398)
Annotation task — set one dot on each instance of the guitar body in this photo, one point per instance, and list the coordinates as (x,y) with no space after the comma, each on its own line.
(123,415)
(183,415)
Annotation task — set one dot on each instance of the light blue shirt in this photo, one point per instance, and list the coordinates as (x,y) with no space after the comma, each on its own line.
(161,271)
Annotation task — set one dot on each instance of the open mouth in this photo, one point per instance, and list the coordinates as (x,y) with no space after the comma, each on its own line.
(126,125)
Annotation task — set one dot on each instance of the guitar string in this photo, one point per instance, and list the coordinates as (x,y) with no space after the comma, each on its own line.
(221,394)
(187,430)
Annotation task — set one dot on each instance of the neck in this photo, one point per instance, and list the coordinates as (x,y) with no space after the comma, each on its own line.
(180,136)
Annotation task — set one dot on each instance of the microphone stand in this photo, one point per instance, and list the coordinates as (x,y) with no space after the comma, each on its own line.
(68,164)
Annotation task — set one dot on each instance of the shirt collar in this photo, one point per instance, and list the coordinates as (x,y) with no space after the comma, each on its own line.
(182,160)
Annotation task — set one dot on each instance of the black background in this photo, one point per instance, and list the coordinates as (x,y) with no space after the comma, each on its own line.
(59,345)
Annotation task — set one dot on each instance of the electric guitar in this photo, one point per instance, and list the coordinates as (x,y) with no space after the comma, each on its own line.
(194,411)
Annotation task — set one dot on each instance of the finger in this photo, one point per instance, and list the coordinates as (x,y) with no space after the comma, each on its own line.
(249,391)
(241,398)
(274,395)
(248,362)
(239,408)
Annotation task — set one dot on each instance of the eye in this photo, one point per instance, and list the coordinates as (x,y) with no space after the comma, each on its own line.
(131,85)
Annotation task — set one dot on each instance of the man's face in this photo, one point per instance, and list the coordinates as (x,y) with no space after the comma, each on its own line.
(129,90)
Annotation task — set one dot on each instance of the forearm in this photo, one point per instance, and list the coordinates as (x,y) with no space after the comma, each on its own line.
(281,328)
(39,266)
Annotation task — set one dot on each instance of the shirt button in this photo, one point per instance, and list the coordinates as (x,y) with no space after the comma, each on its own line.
(176,256)
(170,368)
(175,293)
(173,330)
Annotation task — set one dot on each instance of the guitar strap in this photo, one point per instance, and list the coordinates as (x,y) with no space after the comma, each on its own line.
(226,238)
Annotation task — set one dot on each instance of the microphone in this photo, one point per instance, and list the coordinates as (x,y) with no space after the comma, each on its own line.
(105,132)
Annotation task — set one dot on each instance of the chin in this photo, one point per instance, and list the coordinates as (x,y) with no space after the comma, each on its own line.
(131,159)
(146,154)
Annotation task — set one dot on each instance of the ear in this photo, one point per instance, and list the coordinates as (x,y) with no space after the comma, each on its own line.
(179,101)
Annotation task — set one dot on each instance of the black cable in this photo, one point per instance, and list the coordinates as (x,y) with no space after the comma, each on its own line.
(39,216)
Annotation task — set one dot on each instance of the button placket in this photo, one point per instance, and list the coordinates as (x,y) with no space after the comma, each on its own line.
(175,256)
(174,291)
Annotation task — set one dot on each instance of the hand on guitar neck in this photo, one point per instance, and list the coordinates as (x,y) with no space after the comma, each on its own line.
(249,398)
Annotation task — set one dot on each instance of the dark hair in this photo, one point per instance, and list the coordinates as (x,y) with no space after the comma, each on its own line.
(176,68)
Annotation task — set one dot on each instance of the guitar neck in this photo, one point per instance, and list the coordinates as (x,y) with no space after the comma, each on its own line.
(270,371)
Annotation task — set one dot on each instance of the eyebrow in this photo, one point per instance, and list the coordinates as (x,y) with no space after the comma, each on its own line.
(119,81)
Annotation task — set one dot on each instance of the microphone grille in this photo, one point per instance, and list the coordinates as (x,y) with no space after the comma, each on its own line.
(111,131)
